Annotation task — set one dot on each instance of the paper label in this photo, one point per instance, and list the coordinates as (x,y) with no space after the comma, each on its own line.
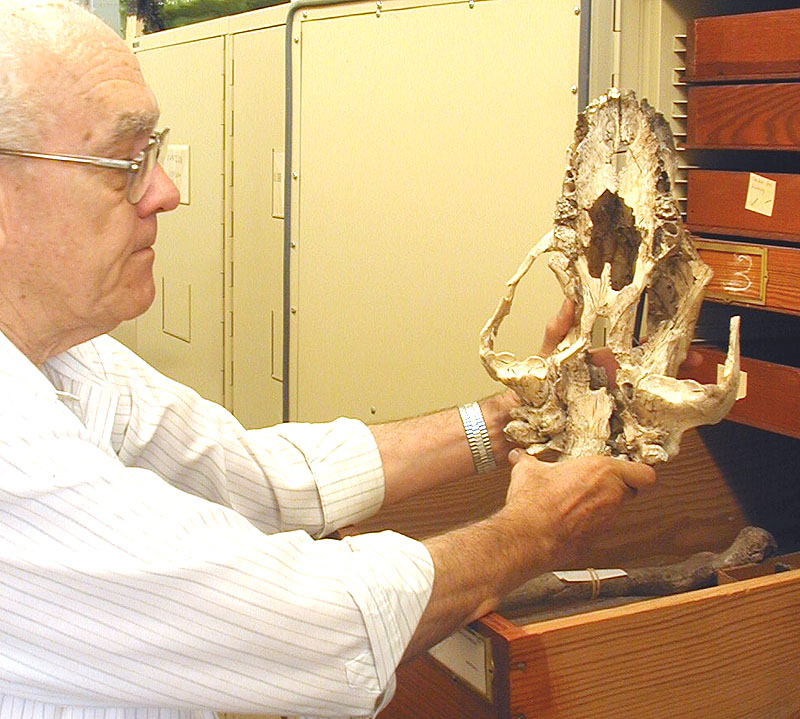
(583,575)
(760,195)
(465,654)
(741,392)
(176,165)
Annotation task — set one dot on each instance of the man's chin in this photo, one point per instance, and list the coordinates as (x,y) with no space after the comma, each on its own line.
(139,302)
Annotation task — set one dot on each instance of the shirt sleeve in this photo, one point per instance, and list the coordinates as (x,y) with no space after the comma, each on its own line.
(162,557)
(118,589)
(316,477)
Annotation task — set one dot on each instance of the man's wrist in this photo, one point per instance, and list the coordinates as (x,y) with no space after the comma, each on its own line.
(496,412)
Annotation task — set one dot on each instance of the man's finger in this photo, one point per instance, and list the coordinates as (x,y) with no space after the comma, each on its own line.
(636,475)
(557,328)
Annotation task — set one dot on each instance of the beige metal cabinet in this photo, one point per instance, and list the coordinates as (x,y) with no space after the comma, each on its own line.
(182,333)
(429,150)
(428,147)
(216,323)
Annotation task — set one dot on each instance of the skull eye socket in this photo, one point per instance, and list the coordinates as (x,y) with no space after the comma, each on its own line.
(614,239)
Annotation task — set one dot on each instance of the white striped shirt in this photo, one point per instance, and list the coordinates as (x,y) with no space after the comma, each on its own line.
(157,560)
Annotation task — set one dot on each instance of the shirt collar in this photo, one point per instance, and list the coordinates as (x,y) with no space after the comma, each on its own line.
(66,378)
(19,373)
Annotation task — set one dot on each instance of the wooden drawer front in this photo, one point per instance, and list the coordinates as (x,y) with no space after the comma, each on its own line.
(752,46)
(773,393)
(744,204)
(748,274)
(727,652)
(754,117)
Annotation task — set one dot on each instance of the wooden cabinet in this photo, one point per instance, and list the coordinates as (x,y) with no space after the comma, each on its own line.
(747,117)
(752,274)
(729,50)
(747,220)
(769,384)
(765,205)
(751,46)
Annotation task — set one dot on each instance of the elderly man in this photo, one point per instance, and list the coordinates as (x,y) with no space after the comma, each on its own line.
(156,559)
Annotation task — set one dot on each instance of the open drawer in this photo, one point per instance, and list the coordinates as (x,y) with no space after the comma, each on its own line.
(728,651)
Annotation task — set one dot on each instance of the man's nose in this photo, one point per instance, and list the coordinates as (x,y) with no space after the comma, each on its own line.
(161,195)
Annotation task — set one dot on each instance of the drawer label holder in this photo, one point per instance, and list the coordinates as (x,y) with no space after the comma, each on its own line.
(740,271)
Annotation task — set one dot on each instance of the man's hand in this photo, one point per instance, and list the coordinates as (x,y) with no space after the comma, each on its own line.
(552,510)
(574,500)
(558,327)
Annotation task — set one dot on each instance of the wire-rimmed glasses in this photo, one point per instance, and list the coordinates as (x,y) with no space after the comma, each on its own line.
(140,168)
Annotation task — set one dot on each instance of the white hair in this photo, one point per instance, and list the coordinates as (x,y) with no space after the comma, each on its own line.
(32,30)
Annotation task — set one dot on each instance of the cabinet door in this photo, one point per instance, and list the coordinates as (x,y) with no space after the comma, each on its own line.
(257,205)
(182,333)
(430,149)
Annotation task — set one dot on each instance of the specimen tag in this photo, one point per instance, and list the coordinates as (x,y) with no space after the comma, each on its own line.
(584,575)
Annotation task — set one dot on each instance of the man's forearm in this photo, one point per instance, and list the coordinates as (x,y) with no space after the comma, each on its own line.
(431,450)
(475,567)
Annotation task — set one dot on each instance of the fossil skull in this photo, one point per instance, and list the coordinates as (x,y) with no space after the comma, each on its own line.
(620,252)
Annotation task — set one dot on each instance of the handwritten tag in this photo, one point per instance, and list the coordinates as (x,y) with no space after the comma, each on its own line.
(760,195)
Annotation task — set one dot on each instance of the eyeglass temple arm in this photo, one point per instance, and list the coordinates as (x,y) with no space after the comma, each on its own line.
(131,165)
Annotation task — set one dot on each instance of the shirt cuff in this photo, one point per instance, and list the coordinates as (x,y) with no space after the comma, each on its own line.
(343,465)
(391,586)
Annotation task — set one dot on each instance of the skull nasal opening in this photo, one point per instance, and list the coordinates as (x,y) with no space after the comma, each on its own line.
(614,239)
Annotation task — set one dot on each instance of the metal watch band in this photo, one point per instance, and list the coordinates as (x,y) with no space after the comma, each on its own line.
(477,437)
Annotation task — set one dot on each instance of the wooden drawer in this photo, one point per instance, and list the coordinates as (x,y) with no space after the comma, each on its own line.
(752,274)
(750,46)
(773,392)
(727,652)
(746,204)
(744,117)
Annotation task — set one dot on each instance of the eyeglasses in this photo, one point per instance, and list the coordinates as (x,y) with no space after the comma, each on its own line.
(140,168)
